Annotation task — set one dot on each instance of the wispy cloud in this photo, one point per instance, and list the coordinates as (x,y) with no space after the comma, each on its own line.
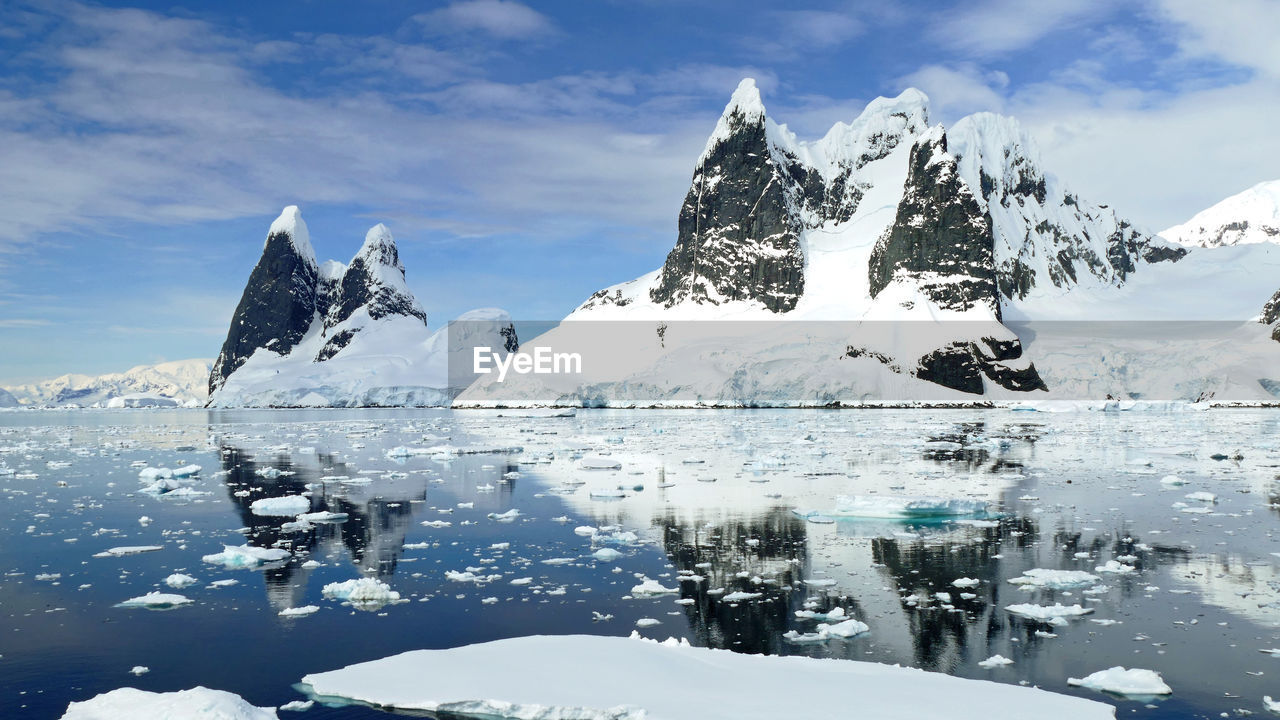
(994,27)
(505,19)
(22,322)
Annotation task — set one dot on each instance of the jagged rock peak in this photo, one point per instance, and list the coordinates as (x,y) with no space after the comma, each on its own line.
(745,109)
(291,225)
(279,302)
(941,239)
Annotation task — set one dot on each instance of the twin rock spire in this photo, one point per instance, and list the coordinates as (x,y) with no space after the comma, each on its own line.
(289,296)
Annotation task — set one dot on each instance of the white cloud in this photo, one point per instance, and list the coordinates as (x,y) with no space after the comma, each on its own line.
(958,90)
(993,27)
(817,28)
(505,19)
(1241,32)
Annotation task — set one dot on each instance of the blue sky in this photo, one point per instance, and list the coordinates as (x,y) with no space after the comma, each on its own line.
(526,155)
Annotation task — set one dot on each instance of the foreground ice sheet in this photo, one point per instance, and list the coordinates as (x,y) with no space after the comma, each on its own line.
(198,703)
(612,678)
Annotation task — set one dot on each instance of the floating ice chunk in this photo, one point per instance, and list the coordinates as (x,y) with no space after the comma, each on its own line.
(1130,683)
(507,516)
(139,670)
(198,703)
(362,593)
(585,530)
(246,556)
(606,555)
(323,516)
(1271,705)
(153,474)
(179,581)
(1115,568)
(845,629)
(890,507)
(965,582)
(649,587)
(469,576)
(299,611)
(127,550)
(1056,614)
(647,622)
(1172,480)
(599,462)
(740,596)
(995,661)
(287,506)
(187,471)
(157,600)
(607,493)
(1202,496)
(1055,579)
(298,705)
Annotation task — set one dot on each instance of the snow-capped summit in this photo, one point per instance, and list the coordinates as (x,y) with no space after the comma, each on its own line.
(1252,216)
(372,288)
(1046,237)
(291,225)
(279,303)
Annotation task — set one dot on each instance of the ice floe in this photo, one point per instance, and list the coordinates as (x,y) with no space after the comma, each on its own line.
(247,556)
(578,676)
(1128,682)
(198,703)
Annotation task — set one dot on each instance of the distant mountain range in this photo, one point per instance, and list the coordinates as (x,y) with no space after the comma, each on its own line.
(180,382)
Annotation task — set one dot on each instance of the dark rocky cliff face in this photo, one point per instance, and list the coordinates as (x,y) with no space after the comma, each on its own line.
(941,239)
(738,239)
(276,309)
(941,242)
(1271,314)
(374,281)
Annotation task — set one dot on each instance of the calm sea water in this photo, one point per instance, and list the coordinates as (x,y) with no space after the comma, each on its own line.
(710,498)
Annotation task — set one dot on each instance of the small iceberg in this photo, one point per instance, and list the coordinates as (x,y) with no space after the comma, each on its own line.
(905,508)
(1056,614)
(1134,683)
(363,593)
(198,703)
(1055,579)
(287,506)
(246,556)
(156,601)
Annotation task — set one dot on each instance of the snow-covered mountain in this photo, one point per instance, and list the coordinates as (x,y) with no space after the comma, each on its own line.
(180,382)
(334,335)
(1252,216)
(882,263)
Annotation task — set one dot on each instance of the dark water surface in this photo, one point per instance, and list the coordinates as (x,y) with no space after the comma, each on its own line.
(709,494)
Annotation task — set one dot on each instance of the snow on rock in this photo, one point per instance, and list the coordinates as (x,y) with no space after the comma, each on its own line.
(362,593)
(1252,216)
(576,676)
(247,556)
(198,703)
(286,506)
(1130,683)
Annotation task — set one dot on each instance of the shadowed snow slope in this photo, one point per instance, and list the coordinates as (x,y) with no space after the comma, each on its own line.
(612,678)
